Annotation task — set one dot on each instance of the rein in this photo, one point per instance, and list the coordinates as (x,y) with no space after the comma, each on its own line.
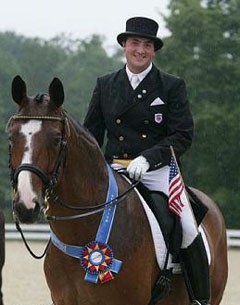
(50,182)
(90,210)
(26,244)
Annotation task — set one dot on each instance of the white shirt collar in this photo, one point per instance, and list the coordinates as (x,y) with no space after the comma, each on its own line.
(141,75)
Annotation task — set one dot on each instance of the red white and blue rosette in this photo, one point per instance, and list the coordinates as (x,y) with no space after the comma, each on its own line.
(98,261)
(97,257)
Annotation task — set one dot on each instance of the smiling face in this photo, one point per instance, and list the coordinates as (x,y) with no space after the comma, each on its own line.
(139,53)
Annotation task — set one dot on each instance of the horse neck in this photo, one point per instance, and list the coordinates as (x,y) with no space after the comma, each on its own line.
(85,171)
(83,182)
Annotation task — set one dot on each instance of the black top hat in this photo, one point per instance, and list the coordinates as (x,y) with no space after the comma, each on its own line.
(142,27)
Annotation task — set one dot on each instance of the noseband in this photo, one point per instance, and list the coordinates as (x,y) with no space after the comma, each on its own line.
(48,182)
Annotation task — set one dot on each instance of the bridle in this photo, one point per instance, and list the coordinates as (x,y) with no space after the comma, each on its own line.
(49,182)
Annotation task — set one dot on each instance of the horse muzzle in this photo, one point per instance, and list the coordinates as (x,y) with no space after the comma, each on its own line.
(24,214)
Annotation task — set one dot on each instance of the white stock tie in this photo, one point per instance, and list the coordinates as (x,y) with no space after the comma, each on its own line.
(135,81)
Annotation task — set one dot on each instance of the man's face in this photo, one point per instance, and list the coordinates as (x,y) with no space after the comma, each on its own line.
(139,53)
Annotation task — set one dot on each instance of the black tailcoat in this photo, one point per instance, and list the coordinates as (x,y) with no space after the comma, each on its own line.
(134,126)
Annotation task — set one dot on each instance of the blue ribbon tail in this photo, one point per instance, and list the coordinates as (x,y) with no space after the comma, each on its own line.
(92,278)
(116,265)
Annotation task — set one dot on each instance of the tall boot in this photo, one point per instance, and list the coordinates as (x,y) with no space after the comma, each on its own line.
(158,203)
(169,223)
(195,268)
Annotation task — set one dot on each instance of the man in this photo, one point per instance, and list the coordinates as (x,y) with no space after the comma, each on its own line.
(145,111)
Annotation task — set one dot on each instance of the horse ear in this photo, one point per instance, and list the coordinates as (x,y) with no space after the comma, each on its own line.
(19,89)
(56,92)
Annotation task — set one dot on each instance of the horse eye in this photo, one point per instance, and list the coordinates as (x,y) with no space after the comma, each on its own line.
(10,139)
(57,141)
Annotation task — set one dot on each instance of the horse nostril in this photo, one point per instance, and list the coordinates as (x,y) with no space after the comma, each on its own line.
(37,205)
(24,214)
(37,208)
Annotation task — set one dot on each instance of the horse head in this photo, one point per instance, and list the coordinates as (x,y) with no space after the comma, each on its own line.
(36,137)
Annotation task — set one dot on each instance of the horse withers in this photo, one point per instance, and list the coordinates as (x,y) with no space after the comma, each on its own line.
(57,166)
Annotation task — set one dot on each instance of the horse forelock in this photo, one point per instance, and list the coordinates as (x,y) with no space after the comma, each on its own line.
(41,97)
(39,105)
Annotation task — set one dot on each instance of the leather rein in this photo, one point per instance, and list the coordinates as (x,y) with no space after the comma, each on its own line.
(49,183)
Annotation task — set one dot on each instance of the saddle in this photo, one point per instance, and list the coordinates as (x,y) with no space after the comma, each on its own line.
(198,207)
(172,232)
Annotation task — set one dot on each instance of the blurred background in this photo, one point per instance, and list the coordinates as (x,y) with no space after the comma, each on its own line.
(76,42)
(201,45)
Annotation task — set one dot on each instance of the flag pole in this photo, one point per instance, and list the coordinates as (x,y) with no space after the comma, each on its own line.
(184,188)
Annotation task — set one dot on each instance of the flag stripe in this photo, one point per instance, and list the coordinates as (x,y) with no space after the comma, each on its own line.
(176,188)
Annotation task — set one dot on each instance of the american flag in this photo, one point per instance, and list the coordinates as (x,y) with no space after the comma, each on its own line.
(176,188)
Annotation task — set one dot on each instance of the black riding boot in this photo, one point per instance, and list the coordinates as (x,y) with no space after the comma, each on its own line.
(172,234)
(168,222)
(195,267)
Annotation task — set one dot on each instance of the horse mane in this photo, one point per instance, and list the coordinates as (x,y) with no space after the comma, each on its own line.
(84,137)
(78,128)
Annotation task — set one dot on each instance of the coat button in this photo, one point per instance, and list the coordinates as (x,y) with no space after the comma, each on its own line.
(146,122)
(139,96)
(144,136)
(144,91)
(118,121)
(121,138)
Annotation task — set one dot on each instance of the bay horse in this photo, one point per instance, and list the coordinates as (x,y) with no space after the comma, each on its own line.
(2,251)
(57,166)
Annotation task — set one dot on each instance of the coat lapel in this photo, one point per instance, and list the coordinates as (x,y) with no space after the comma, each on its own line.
(123,93)
(127,98)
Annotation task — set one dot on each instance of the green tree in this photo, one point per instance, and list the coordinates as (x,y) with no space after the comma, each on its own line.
(77,63)
(203,48)
(88,60)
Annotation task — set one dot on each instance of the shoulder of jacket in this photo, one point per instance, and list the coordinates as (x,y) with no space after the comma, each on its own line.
(110,76)
(169,77)
(166,77)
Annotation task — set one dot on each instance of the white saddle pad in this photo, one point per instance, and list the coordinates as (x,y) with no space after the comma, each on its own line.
(159,243)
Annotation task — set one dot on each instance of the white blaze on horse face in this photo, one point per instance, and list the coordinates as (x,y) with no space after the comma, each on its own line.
(25,188)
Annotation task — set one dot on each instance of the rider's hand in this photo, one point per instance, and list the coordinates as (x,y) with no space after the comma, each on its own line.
(137,167)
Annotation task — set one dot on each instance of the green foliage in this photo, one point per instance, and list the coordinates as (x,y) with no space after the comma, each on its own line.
(203,49)
(77,63)
(80,71)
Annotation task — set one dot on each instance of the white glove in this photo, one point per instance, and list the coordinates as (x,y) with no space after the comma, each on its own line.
(137,167)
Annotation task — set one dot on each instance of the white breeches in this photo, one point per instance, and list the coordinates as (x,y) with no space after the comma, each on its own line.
(157,180)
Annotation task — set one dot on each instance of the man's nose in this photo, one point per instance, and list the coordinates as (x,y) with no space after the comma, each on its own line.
(140,49)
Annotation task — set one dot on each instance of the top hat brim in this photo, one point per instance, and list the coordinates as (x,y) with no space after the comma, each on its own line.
(158,43)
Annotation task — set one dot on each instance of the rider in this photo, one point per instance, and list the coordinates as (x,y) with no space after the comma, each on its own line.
(145,111)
